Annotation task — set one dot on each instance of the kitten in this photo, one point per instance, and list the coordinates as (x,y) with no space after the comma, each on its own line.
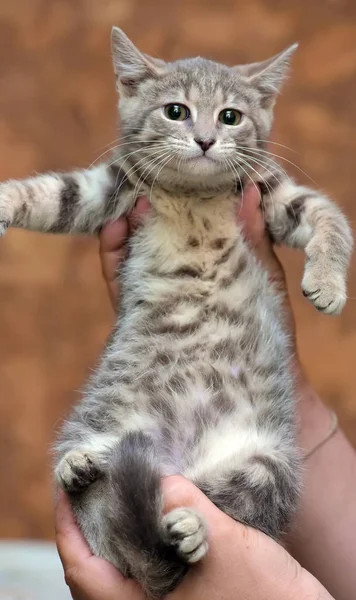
(196,376)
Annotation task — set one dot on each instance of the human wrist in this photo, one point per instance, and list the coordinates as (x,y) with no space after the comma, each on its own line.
(314,418)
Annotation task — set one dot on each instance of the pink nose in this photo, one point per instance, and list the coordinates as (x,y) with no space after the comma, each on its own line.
(205,144)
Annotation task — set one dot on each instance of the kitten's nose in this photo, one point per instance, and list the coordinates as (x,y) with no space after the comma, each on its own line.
(205,144)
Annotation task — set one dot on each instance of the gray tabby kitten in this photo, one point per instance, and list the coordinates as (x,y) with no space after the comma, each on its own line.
(196,376)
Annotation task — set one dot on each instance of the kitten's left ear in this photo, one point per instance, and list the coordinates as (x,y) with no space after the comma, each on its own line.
(130,65)
(268,76)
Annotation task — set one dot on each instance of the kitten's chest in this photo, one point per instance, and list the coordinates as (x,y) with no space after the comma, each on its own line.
(190,275)
(188,232)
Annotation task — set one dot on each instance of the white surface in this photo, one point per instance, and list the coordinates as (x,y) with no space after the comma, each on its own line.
(31,571)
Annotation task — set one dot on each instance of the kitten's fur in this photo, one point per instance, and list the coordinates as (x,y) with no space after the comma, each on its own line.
(195,378)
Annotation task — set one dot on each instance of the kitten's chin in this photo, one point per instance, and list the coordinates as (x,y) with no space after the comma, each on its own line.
(197,175)
(202,165)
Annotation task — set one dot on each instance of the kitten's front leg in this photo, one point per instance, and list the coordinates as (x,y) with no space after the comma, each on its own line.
(76,470)
(304,218)
(76,202)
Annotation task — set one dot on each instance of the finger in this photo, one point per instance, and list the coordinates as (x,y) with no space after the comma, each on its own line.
(113,238)
(97,579)
(254,227)
(250,215)
(141,209)
(178,492)
(72,547)
(112,253)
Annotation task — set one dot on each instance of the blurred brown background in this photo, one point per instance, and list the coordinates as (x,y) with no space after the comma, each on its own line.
(57,110)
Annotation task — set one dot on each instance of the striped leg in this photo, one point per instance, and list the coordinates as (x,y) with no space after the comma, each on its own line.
(76,202)
(303,218)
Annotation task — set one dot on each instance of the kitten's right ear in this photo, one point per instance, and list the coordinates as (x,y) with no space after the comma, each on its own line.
(130,65)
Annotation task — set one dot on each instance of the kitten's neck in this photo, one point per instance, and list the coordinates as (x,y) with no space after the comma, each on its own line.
(200,188)
(193,207)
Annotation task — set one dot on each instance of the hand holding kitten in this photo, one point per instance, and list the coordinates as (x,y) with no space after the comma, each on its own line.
(242,564)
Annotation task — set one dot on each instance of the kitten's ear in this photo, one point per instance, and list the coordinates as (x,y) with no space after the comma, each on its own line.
(268,76)
(130,65)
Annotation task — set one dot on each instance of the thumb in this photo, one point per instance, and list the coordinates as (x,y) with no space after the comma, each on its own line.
(178,492)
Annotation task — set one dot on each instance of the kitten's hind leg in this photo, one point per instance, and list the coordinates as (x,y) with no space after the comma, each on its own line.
(262,493)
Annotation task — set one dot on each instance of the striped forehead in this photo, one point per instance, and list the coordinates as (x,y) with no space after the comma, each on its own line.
(197,95)
(200,83)
(205,84)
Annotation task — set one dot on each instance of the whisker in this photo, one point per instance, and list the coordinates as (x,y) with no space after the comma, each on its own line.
(240,182)
(277,144)
(271,161)
(294,165)
(147,170)
(133,170)
(118,159)
(259,175)
(263,165)
(158,173)
(267,184)
(120,145)
(153,165)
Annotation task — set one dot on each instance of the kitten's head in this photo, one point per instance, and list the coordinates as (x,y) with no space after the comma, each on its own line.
(194,122)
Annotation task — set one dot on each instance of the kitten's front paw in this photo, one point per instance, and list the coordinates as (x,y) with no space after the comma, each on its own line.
(76,471)
(4,225)
(185,529)
(325,289)
(8,200)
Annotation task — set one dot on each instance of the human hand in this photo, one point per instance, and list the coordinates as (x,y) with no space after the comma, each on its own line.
(113,238)
(88,577)
(242,563)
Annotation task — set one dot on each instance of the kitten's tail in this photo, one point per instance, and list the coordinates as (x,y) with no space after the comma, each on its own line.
(135,517)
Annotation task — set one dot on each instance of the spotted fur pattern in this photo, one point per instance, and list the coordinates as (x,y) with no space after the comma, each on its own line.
(195,378)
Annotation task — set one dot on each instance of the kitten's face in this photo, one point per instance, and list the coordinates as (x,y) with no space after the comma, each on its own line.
(194,123)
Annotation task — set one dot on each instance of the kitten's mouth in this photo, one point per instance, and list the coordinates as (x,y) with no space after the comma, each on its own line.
(204,157)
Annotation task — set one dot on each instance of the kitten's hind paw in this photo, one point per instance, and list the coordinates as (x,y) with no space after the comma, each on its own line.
(185,529)
(76,471)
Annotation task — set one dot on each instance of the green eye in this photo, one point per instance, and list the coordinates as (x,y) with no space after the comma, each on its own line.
(230,116)
(176,112)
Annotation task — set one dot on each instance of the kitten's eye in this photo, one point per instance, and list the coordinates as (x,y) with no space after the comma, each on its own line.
(176,112)
(230,116)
